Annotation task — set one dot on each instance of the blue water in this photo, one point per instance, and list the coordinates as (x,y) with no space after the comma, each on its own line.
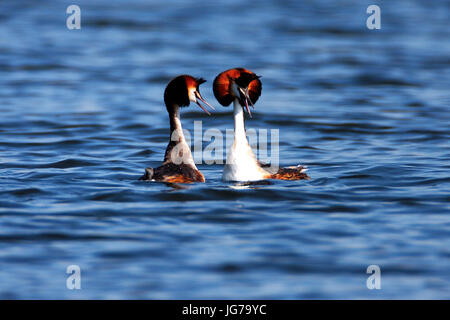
(82,115)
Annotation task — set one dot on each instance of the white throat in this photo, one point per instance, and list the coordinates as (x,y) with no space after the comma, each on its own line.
(241,162)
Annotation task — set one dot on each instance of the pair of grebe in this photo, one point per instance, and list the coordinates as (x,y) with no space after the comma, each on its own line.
(238,86)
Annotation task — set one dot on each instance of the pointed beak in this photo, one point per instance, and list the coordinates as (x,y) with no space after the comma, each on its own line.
(247,100)
(199,97)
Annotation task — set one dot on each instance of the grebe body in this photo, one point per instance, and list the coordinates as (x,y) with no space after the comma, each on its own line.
(243,88)
(178,165)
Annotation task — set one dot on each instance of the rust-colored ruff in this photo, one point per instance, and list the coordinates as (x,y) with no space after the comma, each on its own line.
(222,86)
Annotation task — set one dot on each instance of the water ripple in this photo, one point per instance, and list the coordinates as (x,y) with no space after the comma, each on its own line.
(83,115)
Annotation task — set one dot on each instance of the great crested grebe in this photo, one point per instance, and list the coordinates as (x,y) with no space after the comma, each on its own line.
(178,165)
(243,87)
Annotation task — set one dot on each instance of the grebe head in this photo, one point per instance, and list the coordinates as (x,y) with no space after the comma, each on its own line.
(183,90)
(237,83)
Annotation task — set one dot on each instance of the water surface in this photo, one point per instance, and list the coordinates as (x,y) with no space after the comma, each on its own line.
(83,115)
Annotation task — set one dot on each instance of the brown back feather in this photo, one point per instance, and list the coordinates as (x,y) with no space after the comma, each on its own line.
(174,173)
(290,174)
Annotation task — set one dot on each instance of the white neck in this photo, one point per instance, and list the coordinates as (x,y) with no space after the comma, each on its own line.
(241,162)
(239,126)
(181,153)
(177,134)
